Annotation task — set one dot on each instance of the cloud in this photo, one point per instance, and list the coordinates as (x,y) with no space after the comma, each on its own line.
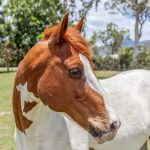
(97,20)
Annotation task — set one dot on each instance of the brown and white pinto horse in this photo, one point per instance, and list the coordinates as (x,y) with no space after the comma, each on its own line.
(56,76)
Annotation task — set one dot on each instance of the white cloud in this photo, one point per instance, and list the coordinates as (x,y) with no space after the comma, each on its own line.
(97,20)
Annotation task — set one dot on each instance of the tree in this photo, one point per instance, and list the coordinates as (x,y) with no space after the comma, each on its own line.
(6,47)
(25,20)
(7,53)
(28,18)
(78,8)
(93,43)
(139,9)
(113,37)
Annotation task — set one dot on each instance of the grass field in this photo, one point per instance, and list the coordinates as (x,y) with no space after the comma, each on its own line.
(105,74)
(6,117)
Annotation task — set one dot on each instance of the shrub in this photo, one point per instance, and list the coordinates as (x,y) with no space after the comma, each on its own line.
(123,62)
(125,58)
(110,63)
(147,59)
(106,63)
(98,62)
(141,58)
(2,62)
(133,65)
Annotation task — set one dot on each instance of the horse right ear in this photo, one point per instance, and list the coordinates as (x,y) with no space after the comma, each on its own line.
(79,25)
(57,35)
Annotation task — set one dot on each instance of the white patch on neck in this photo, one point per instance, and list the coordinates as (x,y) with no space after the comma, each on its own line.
(95,85)
(25,95)
(48,129)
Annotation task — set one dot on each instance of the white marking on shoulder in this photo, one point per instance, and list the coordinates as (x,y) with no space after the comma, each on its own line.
(39,110)
(25,95)
(45,128)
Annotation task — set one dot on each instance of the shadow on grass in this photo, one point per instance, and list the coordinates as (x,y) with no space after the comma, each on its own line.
(101,78)
(5,71)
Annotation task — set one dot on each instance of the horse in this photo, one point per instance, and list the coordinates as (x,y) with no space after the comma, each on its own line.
(56,78)
(130,97)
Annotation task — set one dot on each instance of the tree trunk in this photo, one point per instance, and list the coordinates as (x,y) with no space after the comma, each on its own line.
(136,42)
(7,66)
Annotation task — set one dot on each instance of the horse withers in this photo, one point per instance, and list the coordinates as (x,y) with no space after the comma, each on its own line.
(56,76)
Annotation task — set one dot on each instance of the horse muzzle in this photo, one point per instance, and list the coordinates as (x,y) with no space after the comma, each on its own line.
(107,135)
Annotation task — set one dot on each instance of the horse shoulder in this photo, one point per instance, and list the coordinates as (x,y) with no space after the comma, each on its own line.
(36,125)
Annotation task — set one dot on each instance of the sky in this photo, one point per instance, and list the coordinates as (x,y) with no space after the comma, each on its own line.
(97,20)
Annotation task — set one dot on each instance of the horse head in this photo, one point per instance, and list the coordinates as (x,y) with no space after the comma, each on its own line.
(58,70)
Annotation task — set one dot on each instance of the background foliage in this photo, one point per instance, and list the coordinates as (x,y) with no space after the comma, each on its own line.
(124,61)
(26,20)
(22,23)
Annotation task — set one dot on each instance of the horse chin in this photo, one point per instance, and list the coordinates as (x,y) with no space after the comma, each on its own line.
(104,138)
(99,140)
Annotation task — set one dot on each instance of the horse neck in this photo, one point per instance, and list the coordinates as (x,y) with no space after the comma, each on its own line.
(45,128)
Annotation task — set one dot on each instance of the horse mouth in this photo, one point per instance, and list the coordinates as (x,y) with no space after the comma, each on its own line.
(101,136)
(96,132)
(99,140)
(96,136)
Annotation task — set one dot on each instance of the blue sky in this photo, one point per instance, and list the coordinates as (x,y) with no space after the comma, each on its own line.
(97,20)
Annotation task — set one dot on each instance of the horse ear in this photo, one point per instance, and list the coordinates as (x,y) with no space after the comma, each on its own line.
(62,27)
(80,24)
(57,35)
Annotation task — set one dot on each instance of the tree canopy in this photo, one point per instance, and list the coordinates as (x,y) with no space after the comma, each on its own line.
(113,37)
(25,20)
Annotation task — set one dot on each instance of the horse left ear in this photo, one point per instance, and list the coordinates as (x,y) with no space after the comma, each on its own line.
(57,35)
(62,27)
(80,24)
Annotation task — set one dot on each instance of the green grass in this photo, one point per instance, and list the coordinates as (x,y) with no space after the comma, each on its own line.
(6,132)
(105,74)
(6,86)
(6,117)
(149,144)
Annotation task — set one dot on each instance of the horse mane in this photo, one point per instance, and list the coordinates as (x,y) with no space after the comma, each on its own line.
(73,37)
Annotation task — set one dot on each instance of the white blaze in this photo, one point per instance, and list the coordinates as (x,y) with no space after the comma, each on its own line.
(95,85)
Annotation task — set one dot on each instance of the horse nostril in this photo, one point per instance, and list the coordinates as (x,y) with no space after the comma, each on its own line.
(113,126)
(119,123)
(95,132)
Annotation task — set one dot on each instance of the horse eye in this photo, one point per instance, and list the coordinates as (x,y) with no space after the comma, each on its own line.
(75,73)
